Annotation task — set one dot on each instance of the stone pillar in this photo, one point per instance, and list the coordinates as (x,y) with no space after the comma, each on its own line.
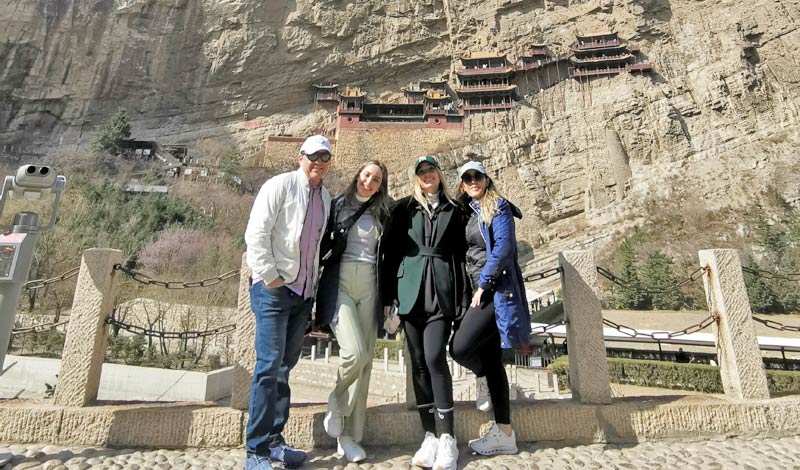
(244,357)
(87,332)
(588,367)
(741,365)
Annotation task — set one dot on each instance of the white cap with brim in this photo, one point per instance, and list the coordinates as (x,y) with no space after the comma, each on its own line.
(471,165)
(314,144)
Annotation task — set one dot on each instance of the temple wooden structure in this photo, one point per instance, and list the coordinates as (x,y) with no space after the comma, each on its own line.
(325,94)
(537,56)
(604,54)
(427,105)
(485,82)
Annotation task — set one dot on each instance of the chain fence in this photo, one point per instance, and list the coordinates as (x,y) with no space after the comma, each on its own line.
(777,325)
(694,276)
(543,274)
(149,281)
(662,335)
(37,328)
(149,332)
(764,274)
(545,328)
(40,283)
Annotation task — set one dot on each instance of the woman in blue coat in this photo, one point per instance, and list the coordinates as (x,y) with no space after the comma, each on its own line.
(498,317)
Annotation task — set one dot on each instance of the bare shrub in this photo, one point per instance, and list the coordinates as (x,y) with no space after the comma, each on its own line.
(179,250)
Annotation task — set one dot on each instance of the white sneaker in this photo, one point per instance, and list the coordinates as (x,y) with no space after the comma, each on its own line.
(426,455)
(446,454)
(350,449)
(483,399)
(333,421)
(494,442)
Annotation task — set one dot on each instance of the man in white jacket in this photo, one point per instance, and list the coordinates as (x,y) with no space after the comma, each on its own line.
(283,236)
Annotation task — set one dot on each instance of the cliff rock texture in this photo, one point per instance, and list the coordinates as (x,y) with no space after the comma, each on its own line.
(717,121)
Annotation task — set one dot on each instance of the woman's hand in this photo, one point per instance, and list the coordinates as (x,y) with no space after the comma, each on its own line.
(278,282)
(476,297)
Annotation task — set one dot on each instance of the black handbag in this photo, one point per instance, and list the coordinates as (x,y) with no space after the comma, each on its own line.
(334,241)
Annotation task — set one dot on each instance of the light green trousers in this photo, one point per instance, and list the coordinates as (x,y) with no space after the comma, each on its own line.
(355,330)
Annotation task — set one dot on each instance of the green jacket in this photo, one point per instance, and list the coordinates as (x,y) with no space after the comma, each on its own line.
(406,256)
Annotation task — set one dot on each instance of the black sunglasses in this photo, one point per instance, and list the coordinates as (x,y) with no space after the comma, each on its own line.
(470,177)
(426,170)
(321,155)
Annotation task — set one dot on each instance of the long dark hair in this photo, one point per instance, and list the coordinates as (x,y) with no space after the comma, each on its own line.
(380,204)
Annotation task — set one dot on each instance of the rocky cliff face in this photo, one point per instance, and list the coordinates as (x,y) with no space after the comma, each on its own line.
(716,122)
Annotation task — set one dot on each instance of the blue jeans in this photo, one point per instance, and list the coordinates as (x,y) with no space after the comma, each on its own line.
(281,318)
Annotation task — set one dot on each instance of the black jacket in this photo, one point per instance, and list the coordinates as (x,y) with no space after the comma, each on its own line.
(406,260)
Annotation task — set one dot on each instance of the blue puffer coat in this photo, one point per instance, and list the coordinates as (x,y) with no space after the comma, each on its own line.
(503,274)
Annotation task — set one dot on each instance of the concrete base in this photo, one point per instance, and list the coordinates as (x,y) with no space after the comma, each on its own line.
(175,425)
(28,376)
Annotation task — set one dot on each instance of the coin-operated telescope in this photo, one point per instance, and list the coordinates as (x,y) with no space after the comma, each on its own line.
(30,183)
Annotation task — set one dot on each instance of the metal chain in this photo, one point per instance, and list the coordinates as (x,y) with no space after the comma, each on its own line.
(696,274)
(662,335)
(545,328)
(39,283)
(771,275)
(147,280)
(543,274)
(169,334)
(777,325)
(37,328)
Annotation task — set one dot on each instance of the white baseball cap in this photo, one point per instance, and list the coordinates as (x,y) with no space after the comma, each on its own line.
(471,165)
(314,144)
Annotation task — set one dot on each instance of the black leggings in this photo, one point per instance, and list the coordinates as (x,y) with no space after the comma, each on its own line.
(433,384)
(476,346)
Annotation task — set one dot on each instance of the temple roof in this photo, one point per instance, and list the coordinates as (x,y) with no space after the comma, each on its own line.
(436,95)
(483,55)
(414,88)
(353,92)
(597,35)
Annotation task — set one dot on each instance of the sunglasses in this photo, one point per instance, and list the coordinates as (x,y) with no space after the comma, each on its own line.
(426,171)
(321,155)
(468,178)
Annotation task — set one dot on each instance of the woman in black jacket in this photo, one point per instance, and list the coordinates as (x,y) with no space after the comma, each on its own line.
(428,247)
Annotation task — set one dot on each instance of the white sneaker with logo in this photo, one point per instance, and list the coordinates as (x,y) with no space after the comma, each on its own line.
(483,399)
(446,454)
(495,442)
(426,455)
(350,449)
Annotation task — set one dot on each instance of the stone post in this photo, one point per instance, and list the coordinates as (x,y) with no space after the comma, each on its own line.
(87,332)
(740,362)
(244,355)
(588,367)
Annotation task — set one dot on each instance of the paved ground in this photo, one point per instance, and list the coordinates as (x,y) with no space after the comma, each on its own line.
(738,453)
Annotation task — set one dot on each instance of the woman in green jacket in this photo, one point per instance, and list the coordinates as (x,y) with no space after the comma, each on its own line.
(427,259)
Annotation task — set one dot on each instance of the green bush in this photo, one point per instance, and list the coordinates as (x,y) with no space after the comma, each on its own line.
(393,345)
(111,135)
(695,377)
(782,381)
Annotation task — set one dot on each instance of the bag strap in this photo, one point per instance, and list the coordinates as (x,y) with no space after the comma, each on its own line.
(344,226)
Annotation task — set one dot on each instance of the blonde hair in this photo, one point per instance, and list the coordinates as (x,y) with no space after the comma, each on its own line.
(489,202)
(418,194)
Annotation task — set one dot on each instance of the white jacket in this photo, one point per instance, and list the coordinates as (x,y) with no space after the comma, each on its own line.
(275,225)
